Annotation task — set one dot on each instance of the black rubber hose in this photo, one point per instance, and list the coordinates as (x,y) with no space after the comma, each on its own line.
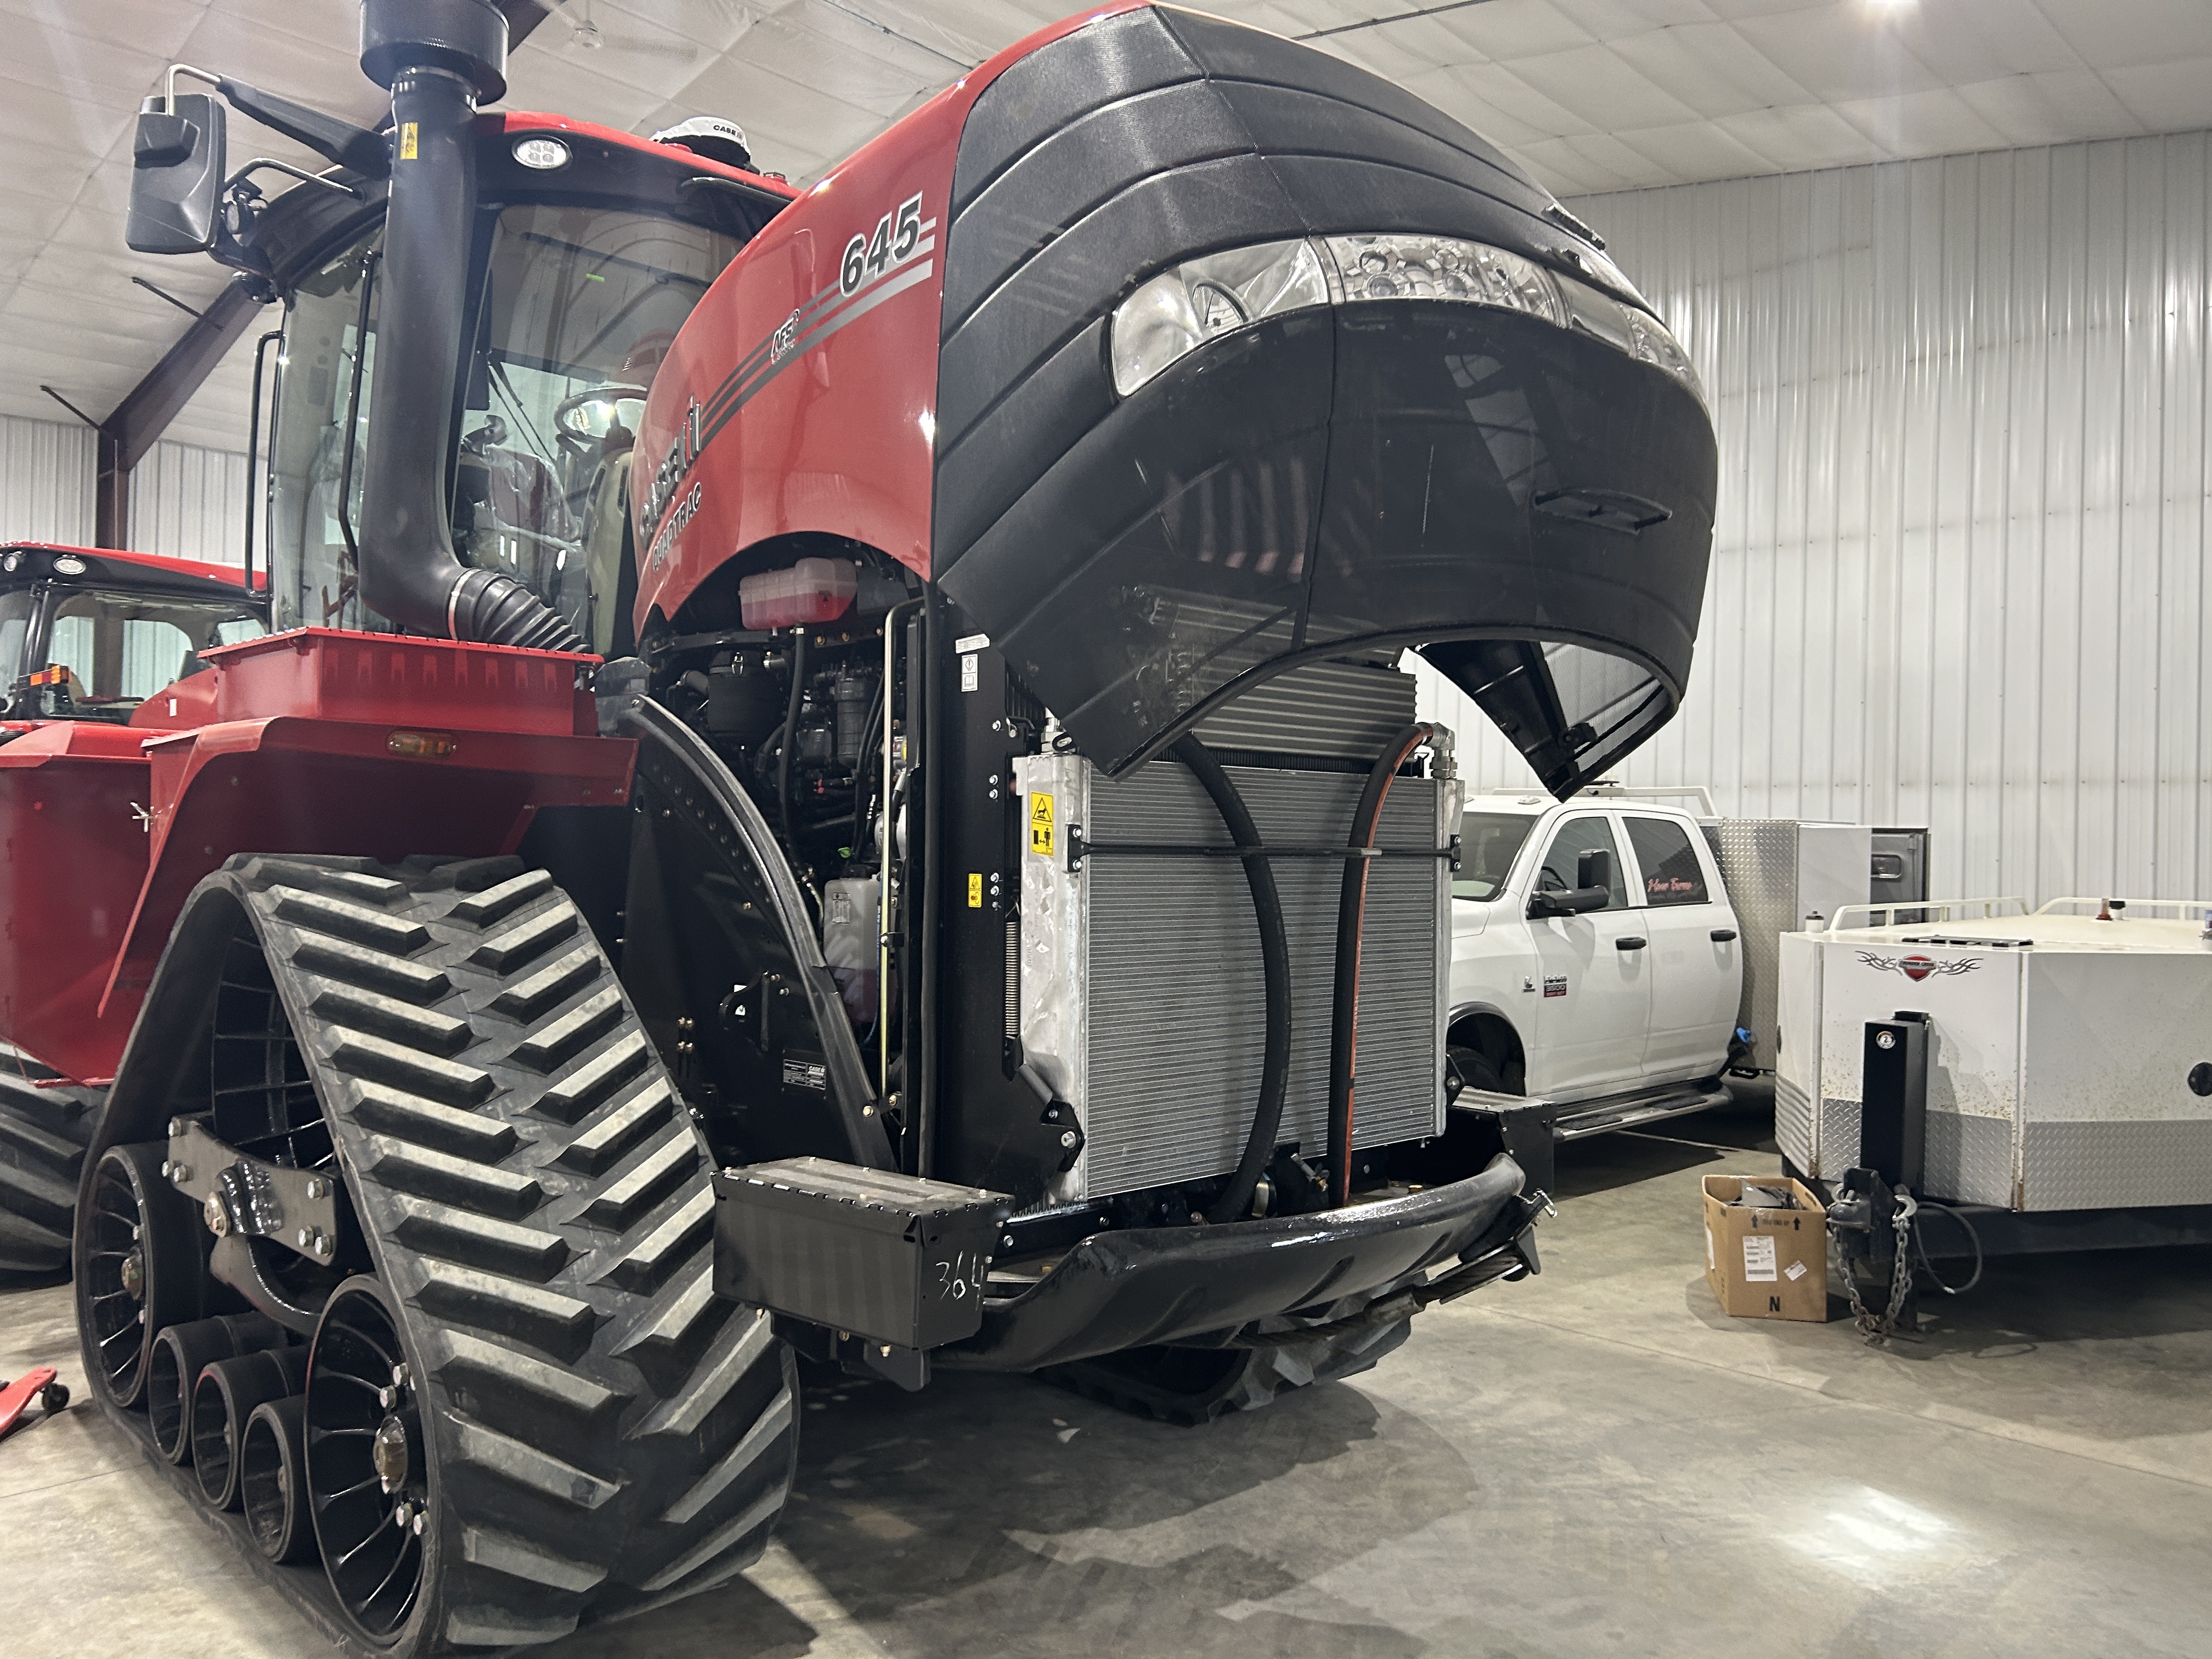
(409,570)
(1235,1200)
(1350,925)
(790,738)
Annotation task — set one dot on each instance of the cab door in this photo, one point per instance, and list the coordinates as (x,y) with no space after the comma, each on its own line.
(1595,990)
(1696,958)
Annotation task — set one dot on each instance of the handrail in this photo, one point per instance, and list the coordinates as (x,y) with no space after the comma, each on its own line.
(1929,911)
(2176,909)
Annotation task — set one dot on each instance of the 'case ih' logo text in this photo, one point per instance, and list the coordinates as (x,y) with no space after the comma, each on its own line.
(1917,969)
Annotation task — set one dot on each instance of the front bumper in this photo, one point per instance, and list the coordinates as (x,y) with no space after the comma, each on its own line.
(1201,1286)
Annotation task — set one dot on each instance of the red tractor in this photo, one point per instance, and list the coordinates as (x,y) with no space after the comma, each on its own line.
(95,645)
(834,782)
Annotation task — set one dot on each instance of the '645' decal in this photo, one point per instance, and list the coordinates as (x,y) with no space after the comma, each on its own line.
(897,235)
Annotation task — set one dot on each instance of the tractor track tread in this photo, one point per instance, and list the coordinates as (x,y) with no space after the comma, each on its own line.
(43,1135)
(576,1374)
(611,1135)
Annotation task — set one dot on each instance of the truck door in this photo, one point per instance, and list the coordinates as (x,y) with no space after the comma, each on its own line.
(1595,990)
(1696,973)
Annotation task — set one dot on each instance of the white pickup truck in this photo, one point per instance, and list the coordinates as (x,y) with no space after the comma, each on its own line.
(1595,961)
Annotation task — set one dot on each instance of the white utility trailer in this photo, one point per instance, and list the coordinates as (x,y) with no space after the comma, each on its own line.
(2070,1059)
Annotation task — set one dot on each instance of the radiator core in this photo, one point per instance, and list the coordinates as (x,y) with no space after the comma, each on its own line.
(1142,997)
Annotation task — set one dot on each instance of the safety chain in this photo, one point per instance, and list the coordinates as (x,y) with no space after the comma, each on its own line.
(1879,1327)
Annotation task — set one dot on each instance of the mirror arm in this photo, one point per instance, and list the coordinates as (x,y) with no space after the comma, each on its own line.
(259,162)
(169,87)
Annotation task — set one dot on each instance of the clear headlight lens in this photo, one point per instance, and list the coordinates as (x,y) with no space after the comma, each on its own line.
(1181,309)
(1399,267)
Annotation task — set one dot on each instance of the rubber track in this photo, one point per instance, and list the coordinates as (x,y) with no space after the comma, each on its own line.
(607,1434)
(43,1135)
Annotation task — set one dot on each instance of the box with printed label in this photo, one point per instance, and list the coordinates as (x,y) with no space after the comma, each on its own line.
(1766,1261)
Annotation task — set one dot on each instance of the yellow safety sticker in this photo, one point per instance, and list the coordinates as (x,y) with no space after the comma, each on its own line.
(975,889)
(407,141)
(1041,823)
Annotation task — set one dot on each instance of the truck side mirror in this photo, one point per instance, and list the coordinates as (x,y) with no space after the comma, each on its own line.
(1570,902)
(176,175)
(1594,869)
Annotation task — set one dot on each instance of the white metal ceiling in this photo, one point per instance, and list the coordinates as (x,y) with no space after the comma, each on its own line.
(1592,94)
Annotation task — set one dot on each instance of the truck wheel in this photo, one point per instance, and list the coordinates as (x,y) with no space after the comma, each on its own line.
(1195,1386)
(527,1408)
(1475,1071)
(43,1135)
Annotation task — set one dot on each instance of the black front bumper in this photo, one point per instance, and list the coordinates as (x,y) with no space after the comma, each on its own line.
(1154,1285)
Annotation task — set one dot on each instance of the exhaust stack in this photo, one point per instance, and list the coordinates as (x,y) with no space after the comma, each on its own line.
(439,59)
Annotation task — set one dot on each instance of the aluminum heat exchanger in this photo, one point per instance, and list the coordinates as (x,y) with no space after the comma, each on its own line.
(1141,994)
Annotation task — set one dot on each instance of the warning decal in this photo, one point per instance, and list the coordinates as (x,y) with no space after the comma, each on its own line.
(975,889)
(1041,823)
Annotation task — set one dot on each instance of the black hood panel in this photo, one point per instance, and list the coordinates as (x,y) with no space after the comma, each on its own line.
(1529,504)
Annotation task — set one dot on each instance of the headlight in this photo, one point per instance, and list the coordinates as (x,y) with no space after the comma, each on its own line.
(1442,267)
(1181,309)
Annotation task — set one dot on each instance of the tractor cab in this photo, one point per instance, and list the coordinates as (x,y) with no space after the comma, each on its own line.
(91,634)
(588,249)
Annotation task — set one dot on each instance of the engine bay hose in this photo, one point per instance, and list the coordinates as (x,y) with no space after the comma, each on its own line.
(1350,925)
(797,701)
(1235,1200)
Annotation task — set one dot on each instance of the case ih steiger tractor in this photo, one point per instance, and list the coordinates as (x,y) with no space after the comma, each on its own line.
(989,908)
(88,639)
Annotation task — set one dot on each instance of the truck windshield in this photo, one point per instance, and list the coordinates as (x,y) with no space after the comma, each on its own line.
(110,650)
(1488,843)
(577,308)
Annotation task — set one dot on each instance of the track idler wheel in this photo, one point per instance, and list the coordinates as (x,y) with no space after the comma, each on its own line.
(180,1353)
(272,1481)
(368,1472)
(226,1393)
(137,1267)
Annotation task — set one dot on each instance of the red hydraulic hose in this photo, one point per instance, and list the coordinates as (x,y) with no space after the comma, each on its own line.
(1350,923)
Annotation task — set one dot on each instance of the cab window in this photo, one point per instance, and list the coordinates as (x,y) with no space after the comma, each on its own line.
(1672,874)
(1488,844)
(1576,837)
(119,648)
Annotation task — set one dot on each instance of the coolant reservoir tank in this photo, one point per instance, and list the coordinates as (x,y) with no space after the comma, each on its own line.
(811,591)
(849,934)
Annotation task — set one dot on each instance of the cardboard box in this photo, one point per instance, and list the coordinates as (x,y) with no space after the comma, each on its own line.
(1762,1263)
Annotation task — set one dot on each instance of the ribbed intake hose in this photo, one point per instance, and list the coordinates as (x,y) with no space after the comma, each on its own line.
(1351,924)
(1235,1200)
(409,571)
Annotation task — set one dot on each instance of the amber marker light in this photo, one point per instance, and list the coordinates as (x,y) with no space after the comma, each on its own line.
(423,745)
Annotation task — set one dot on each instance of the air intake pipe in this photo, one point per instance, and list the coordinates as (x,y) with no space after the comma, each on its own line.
(438,57)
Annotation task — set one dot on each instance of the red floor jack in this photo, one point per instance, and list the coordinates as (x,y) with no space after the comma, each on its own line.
(15,1398)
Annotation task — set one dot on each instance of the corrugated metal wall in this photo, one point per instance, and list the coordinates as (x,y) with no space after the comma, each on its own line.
(190,503)
(47,474)
(185,502)
(1965,456)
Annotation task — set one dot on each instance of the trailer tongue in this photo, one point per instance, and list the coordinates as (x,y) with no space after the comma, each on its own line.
(993,911)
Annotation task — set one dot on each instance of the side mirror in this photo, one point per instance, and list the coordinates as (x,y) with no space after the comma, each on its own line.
(1571,902)
(176,175)
(1594,869)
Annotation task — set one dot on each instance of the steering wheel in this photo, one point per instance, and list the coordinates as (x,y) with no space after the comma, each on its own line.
(578,423)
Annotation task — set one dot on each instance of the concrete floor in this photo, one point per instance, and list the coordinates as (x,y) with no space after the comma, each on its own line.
(1595,1463)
